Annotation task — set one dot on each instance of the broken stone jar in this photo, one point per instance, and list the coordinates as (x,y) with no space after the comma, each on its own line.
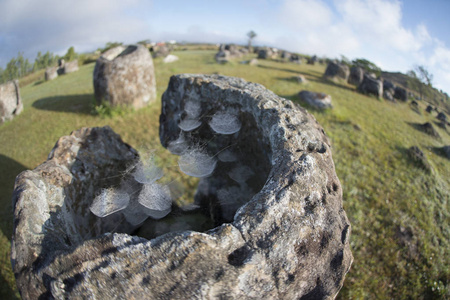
(279,230)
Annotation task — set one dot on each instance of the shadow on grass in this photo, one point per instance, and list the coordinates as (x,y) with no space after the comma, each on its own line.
(71,103)
(426,128)
(440,151)
(6,291)
(10,169)
(415,159)
(279,69)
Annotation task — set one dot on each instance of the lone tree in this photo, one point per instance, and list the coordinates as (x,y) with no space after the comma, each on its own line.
(251,35)
(423,74)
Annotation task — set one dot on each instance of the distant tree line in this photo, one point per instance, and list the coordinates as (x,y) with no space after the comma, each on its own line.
(19,66)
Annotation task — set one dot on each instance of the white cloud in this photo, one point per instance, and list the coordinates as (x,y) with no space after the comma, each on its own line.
(301,14)
(33,26)
(378,22)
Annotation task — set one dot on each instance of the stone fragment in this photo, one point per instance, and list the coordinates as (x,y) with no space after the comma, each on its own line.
(356,75)
(223,56)
(70,66)
(316,100)
(419,158)
(313,60)
(371,85)
(51,73)
(170,58)
(253,62)
(160,51)
(10,101)
(388,95)
(442,116)
(126,79)
(300,78)
(400,94)
(388,85)
(336,70)
(51,204)
(265,53)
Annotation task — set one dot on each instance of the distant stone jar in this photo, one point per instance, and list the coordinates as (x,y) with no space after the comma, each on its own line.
(356,75)
(125,78)
(10,101)
(337,71)
(371,85)
(316,100)
(70,66)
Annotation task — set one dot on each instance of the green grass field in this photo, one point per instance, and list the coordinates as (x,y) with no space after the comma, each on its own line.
(399,212)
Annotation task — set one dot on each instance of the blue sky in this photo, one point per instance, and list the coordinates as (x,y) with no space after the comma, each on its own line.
(394,34)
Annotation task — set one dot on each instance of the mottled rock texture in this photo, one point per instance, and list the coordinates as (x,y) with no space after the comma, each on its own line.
(400,94)
(356,75)
(337,71)
(70,66)
(316,100)
(10,101)
(51,73)
(288,237)
(125,78)
(371,85)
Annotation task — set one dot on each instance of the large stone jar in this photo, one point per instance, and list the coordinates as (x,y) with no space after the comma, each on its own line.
(280,231)
(10,102)
(125,77)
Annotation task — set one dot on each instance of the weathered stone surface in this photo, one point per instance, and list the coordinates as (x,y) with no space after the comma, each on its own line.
(387,85)
(388,95)
(285,235)
(446,151)
(223,56)
(419,158)
(370,85)
(161,51)
(286,55)
(400,94)
(227,52)
(300,78)
(51,73)
(170,58)
(70,66)
(317,100)
(295,59)
(441,116)
(125,78)
(51,205)
(356,75)
(337,71)
(265,53)
(253,62)
(313,60)
(10,101)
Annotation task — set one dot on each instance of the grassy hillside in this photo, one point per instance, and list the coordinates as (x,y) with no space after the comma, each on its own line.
(399,211)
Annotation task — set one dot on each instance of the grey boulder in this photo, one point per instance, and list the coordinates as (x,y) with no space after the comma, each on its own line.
(70,66)
(10,101)
(356,75)
(125,78)
(371,85)
(316,100)
(336,70)
(51,73)
(400,94)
